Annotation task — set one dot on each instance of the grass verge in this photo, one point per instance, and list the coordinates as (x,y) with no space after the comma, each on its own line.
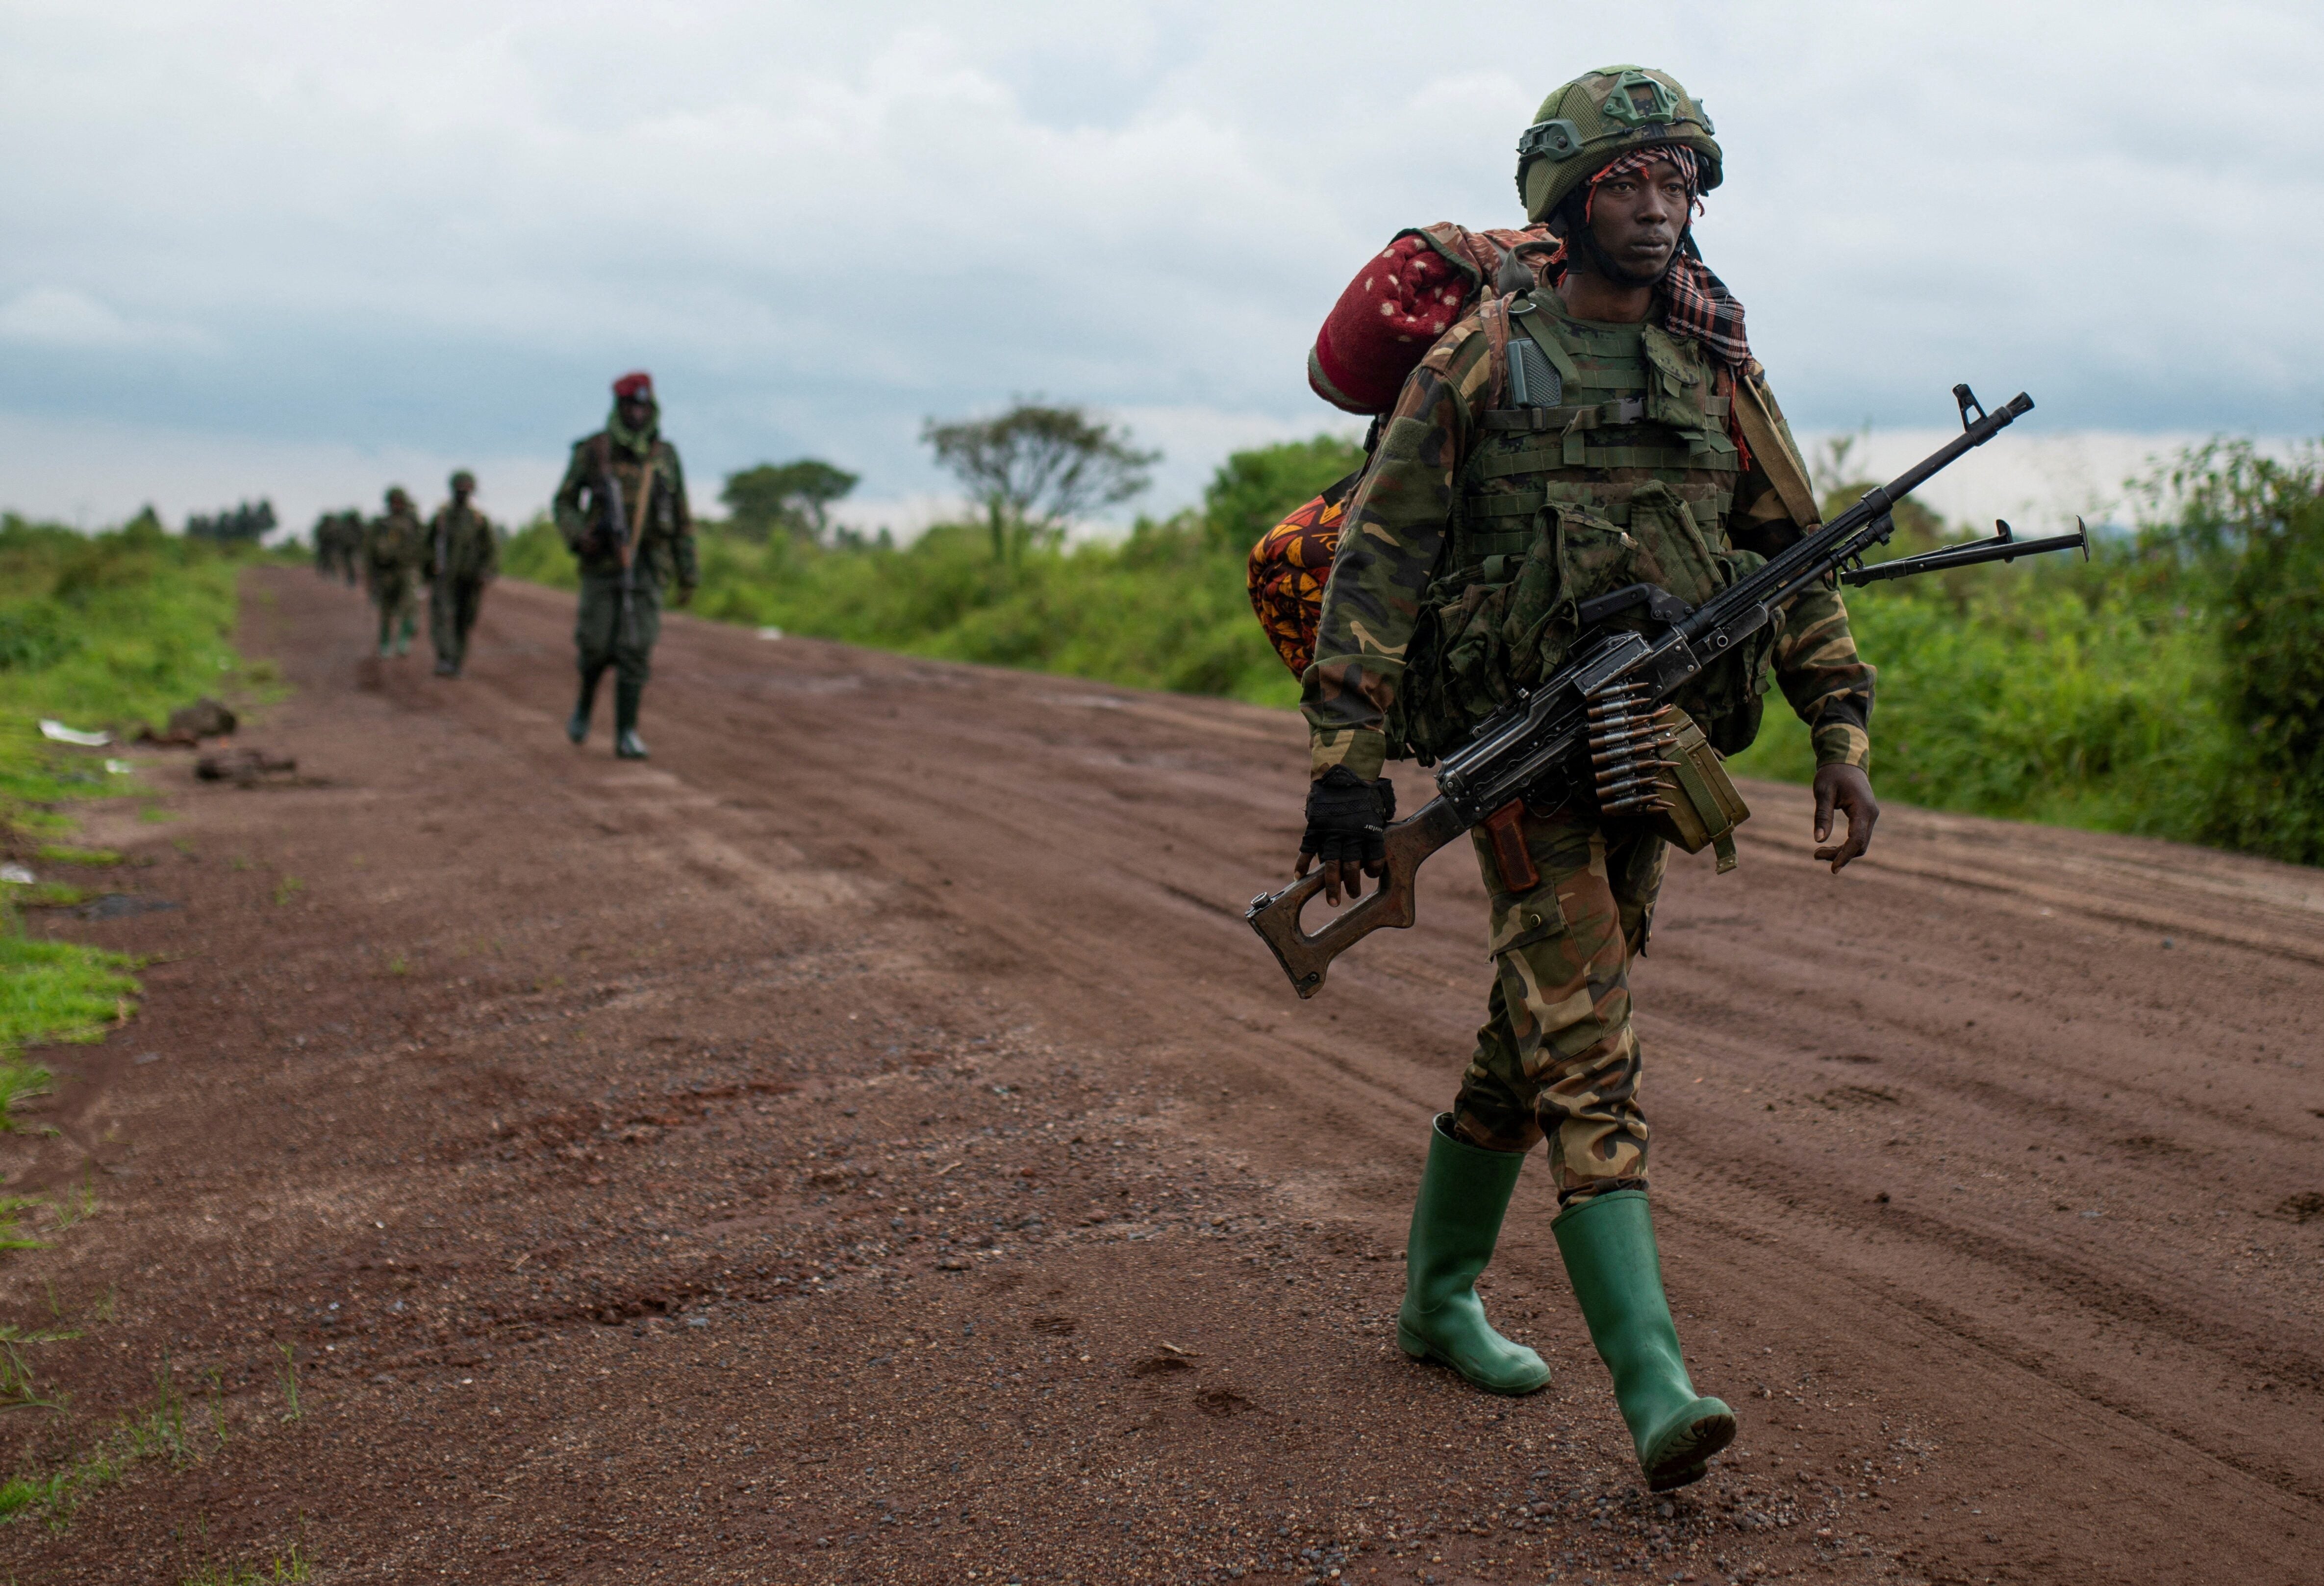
(159,1431)
(2174,687)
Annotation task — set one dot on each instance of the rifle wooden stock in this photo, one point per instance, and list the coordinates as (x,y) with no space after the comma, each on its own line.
(1305,957)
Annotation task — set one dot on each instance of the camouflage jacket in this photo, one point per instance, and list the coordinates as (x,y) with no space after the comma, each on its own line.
(461,544)
(1475,531)
(394,545)
(667,536)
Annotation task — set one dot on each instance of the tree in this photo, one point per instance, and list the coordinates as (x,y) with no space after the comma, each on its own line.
(1254,489)
(793,497)
(1036,466)
(245,524)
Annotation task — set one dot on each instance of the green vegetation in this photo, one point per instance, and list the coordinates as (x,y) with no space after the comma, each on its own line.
(1037,467)
(292,1566)
(1253,490)
(1163,608)
(158,1432)
(103,630)
(54,992)
(787,498)
(112,630)
(2174,687)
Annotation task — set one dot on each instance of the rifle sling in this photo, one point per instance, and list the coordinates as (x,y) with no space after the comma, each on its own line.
(1775,453)
(645,507)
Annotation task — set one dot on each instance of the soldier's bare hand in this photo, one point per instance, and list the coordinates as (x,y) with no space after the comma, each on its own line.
(1847,788)
(685,594)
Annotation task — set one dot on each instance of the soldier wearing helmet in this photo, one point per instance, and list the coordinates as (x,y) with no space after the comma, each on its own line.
(623,513)
(394,550)
(464,555)
(1599,422)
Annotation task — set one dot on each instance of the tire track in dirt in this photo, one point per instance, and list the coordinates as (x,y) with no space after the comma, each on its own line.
(1032,1104)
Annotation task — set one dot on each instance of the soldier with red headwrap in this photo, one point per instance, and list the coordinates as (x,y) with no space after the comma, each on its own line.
(623,513)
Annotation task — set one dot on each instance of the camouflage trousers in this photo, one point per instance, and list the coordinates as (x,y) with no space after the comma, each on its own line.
(397,596)
(452,607)
(1556,1055)
(604,639)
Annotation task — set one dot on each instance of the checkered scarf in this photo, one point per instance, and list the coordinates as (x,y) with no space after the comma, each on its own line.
(1695,303)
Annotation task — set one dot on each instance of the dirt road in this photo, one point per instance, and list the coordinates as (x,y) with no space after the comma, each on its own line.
(865,1144)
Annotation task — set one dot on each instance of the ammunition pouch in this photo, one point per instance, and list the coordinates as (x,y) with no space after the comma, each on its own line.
(1697,805)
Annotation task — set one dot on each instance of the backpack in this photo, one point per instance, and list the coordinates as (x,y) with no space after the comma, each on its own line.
(1405,296)
(1408,295)
(1288,570)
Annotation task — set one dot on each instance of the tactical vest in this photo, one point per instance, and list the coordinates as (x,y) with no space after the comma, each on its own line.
(456,542)
(1607,465)
(397,546)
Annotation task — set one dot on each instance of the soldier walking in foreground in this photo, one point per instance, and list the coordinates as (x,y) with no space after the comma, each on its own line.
(623,513)
(464,555)
(1595,409)
(394,550)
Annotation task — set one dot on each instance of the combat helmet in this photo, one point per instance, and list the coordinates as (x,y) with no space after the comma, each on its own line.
(1598,115)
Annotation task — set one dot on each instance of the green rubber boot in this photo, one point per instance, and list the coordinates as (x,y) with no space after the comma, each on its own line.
(627,744)
(1456,1219)
(577,725)
(1609,1245)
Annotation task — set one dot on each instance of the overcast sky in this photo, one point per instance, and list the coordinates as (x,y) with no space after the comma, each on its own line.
(300,249)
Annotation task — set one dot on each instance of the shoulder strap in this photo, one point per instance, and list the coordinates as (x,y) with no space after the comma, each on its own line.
(1495,316)
(1764,437)
(645,490)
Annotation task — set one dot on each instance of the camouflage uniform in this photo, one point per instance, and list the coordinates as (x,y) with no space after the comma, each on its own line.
(394,550)
(645,469)
(1473,535)
(464,555)
(338,545)
(350,541)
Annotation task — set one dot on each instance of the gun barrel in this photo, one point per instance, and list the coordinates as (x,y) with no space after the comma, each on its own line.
(1997,550)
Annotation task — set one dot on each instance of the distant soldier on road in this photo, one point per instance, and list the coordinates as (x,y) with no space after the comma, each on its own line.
(395,549)
(623,513)
(1601,426)
(338,541)
(351,544)
(464,555)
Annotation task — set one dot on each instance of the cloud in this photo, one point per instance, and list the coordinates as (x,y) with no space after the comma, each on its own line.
(56,316)
(442,228)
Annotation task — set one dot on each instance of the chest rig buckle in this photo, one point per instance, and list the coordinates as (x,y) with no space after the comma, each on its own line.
(1565,421)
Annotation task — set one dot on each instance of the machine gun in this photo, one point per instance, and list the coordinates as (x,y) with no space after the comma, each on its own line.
(1539,745)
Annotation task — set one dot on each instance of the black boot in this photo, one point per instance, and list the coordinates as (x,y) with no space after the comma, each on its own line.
(577,728)
(627,744)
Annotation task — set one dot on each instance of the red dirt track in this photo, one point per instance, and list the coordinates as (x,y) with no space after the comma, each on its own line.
(865,1144)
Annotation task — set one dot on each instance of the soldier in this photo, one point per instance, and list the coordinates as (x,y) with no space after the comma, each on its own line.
(464,555)
(1487,515)
(394,550)
(333,555)
(623,513)
(350,543)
